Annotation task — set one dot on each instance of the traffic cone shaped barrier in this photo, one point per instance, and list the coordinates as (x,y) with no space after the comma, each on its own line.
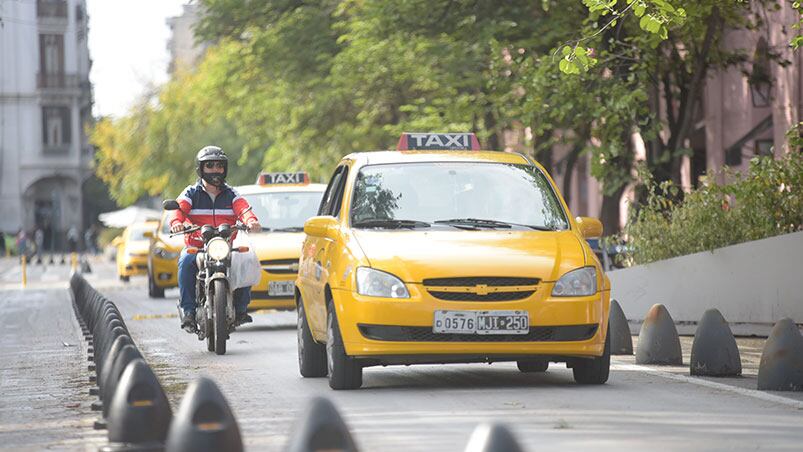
(127,354)
(105,366)
(321,428)
(658,341)
(621,340)
(139,413)
(204,421)
(492,438)
(781,367)
(714,352)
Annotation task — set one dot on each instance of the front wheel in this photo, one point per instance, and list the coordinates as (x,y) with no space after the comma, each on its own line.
(594,371)
(154,291)
(220,322)
(311,355)
(532,365)
(345,372)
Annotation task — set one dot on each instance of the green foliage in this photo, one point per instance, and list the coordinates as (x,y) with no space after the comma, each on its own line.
(106,235)
(765,202)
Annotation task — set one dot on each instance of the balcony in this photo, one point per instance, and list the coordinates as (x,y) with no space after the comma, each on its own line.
(58,81)
(51,9)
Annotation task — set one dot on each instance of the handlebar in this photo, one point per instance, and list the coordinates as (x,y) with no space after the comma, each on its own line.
(191,229)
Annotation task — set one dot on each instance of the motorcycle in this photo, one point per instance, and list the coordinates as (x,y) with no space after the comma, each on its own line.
(214,314)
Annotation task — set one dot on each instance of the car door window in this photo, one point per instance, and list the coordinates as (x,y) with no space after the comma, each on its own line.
(337,199)
(331,189)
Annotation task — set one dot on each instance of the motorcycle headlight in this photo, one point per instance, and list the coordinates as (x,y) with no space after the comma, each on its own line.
(217,249)
(375,283)
(577,283)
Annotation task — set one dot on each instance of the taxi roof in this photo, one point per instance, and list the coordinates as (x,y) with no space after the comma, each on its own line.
(279,188)
(386,157)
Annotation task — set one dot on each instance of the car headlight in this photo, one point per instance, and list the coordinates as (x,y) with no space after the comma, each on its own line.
(577,283)
(375,283)
(165,254)
(218,249)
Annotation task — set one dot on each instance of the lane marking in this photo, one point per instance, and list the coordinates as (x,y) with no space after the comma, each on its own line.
(153,316)
(754,393)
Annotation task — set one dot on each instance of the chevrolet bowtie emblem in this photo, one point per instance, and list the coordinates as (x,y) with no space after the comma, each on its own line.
(294,267)
(481,289)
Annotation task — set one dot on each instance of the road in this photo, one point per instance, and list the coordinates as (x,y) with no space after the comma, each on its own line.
(437,407)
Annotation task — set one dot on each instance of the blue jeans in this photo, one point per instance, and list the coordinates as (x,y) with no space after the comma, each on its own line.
(187,274)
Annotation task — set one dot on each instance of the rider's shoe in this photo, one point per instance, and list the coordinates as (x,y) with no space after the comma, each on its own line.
(188,322)
(242,318)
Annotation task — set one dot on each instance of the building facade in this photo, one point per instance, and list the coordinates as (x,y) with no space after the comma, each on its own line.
(185,51)
(45,112)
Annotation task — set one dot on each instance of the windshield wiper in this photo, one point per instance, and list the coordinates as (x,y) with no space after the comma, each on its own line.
(390,223)
(289,229)
(479,222)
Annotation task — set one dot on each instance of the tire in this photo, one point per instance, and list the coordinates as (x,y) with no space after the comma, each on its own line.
(311,355)
(125,278)
(154,291)
(532,365)
(210,335)
(220,322)
(594,371)
(344,371)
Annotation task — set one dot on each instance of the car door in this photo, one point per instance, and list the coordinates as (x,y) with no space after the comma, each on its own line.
(316,251)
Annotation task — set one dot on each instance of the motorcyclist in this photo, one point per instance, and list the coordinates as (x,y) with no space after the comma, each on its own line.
(210,201)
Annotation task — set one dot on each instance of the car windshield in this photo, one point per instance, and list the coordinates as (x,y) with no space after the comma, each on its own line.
(166,225)
(139,234)
(284,211)
(462,194)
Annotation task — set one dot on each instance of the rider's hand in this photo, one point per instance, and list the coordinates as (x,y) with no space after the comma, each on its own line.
(176,228)
(254,226)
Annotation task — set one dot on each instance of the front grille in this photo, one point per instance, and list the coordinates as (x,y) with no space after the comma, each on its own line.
(280,266)
(477,280)
(265,295)
(425,334)
(496,296)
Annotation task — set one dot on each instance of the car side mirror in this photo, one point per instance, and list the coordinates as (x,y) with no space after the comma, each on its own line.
(323,226)
(148,234)
(589,227)
(170,204)
(117,241)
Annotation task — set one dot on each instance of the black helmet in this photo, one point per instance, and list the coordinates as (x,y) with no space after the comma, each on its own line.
(211,154)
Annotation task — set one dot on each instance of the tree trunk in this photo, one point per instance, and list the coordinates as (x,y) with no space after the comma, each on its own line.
(571,160)
(609,214)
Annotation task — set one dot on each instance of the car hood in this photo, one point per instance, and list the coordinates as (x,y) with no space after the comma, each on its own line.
(139,247)
(416,255)
(276,245)
(171,243)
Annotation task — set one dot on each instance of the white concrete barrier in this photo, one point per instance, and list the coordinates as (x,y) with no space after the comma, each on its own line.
(753,284)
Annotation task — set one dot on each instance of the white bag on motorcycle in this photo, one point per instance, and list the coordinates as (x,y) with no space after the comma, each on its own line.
(245,270)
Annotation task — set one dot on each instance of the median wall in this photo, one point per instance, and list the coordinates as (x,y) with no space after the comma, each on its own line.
(753,284)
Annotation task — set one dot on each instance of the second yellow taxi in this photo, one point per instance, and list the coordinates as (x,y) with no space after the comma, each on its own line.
(439,253)
(132,250)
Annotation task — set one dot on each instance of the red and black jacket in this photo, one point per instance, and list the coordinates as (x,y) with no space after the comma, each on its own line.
(198,207)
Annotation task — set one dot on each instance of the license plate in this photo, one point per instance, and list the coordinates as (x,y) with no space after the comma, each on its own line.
(481,322)
(280,288)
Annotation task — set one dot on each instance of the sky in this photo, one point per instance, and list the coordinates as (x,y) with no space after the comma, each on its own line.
(128,47)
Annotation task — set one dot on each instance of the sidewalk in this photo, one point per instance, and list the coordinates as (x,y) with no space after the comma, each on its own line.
(44,380)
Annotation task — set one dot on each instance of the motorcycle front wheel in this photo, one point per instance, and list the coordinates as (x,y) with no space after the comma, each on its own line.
(221,292)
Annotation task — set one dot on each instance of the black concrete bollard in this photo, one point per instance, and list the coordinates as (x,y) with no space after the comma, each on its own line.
(106,341)
(714,352)
(139,413)
(320,428)
(781,367)
(658,341)
(492,438)
(621,340)
(204,421)
(106,365)
(127,354)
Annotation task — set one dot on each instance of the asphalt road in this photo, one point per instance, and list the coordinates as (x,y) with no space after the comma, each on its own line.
(436,407)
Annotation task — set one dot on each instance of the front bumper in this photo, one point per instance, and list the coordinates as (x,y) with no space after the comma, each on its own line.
(164,272)
(399,329)
(262,298)
(134,265)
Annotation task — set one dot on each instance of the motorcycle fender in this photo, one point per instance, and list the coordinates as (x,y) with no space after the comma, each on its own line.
(230,298)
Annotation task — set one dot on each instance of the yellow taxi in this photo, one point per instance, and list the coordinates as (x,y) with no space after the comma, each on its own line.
(438,253)
(132,250)
(163,255)
(282,202)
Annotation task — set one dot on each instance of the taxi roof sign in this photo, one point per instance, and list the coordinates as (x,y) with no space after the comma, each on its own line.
(297,178)
(438,142)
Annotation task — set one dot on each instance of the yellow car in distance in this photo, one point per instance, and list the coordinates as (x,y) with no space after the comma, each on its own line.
(132,250)
(282,202)
(441,253)
(163,255)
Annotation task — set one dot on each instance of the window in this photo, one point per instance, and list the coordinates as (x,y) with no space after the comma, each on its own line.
(764,147)
(331,197)
(55,126)
(760,78)
(51,61)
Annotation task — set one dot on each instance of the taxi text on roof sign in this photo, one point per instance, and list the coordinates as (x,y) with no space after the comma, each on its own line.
(438,142)
(300,178)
